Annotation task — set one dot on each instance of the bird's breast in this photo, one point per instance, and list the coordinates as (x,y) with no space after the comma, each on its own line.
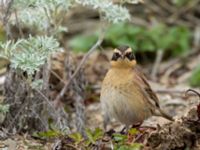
(121,99)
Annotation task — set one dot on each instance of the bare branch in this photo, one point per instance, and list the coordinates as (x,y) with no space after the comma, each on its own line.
(66,86)
(159,56)
(7,14)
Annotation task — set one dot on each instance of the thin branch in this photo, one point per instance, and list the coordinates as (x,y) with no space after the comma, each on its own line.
(57,76)
(194,91)
(6,17)
(72,146)
(47,100)
(66,86)
(16,116)
(173,91)
(18,25)
(140,22)
(157,62)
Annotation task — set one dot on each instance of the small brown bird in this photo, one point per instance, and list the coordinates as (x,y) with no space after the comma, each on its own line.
(126,94)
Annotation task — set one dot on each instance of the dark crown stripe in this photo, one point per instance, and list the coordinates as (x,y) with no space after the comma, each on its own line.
(123,48)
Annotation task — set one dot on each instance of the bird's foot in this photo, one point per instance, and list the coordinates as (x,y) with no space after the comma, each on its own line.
(110,132)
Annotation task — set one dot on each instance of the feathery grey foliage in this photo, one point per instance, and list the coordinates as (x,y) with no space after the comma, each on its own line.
(112,12)
(29,54)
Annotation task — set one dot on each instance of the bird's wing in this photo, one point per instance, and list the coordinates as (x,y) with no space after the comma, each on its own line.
(148,94)
(145,88)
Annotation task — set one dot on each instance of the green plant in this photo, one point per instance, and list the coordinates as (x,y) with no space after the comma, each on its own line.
(29,54)
(111,12)
(175,39)
(122,33)
(180,3)
(123,142)
(47,134)
(195,78)
(82,43)
(4,108)
(94,139)
(45,17)
(94,136)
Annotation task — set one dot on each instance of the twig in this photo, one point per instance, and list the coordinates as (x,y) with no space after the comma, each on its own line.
(191,90)
(44,96)
(5,19)
(18,25)
(57,76)
(156,64)
(66,86)
(72,146)
(16,116)
(173,91)
(139,21)
(47,100)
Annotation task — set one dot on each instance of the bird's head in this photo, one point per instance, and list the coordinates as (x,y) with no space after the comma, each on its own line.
(123,57)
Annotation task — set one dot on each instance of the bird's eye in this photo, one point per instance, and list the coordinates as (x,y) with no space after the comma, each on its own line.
(116,56)
(130,56)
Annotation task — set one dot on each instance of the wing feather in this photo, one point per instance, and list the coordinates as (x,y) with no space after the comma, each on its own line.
(145,88)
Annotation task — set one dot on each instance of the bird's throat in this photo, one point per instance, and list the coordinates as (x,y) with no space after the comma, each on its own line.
(123,64)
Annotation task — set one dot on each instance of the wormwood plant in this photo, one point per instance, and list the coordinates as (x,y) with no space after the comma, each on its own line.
(45,17)
(29,55)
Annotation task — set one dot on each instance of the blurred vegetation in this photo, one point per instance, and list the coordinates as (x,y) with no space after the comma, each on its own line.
(195,78)
(175,39)
(2,33)
(82,43)
(180,3)
(94,138)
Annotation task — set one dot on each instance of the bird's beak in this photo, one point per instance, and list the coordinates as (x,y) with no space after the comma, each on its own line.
(123,57)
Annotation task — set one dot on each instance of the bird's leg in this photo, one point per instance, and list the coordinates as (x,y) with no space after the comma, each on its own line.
(137,126)
(105,123)
(106,120)
(125,130)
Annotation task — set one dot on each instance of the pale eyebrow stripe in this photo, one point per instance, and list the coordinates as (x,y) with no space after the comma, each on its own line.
(128,50)
(117,51)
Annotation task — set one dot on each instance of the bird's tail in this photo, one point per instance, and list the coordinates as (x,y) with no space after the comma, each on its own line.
(163,114)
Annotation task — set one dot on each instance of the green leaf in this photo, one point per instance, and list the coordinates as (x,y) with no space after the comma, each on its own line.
(90,136)
(95,135)
(119,137)
(47,134)
(77,137)
(98,133)
(29,54)
(4,108)
(133,131)
(134,146)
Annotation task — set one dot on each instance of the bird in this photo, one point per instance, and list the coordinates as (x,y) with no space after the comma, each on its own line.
(125,92)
